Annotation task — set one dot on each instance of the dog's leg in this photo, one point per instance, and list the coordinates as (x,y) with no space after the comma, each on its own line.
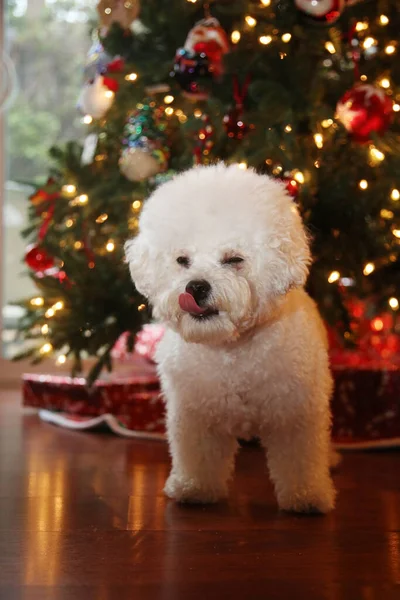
(298,455)
(202,462)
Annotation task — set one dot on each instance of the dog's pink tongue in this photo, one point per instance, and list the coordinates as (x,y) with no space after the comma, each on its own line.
(189,304)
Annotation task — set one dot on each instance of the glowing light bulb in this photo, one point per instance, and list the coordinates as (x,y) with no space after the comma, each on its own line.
(110,246)
(87,119)
(396,107)
(83,199)
(319,140)
(377,324)
(61,360)
(109,93)
(393,303)
(68,189)
(235,36)
(265,40)
(168,99)
(369,268)
(376,154)
(107,10)
(369,42)
(395,195)
(131,77)
(45,329)
(37,301)
(286,37)
(396,233)
(198,113)
(326,123)
(330,47)
(383,20)
(102,218)
(334,276)
(136,205)
(363,184)
(251,21)
(49,313)
(288,128)
(78,245)
(141,307)
(385,83)
(169,111)
(390,49)
(361,26)
(266,2)
(46,348)
(363,77)
(243,165)
(299,177)
(386,214)
(58,305)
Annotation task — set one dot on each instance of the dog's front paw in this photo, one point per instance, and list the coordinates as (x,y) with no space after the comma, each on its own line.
(192,491)
(310,501)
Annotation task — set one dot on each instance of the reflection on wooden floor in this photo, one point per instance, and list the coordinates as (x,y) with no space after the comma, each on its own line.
(83,516)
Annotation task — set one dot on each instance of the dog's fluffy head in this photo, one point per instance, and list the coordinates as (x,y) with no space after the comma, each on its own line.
(206,217)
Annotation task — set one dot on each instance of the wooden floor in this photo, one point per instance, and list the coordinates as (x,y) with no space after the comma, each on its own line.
(82,517)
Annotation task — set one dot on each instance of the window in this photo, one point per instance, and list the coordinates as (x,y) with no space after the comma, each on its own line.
(45,43)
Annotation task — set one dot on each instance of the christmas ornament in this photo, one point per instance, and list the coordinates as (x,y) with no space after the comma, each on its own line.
(200,60)
(291,185)
(96,97)
(123,12)
(145,151)
(321,11)
(365,109)
(37,258)
(207,37)
(234,125)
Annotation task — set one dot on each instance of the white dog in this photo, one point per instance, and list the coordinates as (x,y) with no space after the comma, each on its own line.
(223,257)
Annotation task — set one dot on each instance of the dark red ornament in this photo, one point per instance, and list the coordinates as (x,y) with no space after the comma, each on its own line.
(235,128)
(365,109)
(292,187)
(38,259)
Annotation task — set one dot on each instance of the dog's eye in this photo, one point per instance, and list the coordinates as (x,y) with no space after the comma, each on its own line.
(183,260)
(232,260)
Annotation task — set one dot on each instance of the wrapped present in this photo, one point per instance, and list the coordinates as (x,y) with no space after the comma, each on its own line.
(133,400)
(366,401)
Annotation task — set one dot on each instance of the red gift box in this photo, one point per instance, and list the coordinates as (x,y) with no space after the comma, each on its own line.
(132,403)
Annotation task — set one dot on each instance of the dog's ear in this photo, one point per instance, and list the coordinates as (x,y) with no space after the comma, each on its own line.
(137,256)
(288,254)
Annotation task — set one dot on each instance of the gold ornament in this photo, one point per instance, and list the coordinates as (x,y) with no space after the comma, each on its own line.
(123,12)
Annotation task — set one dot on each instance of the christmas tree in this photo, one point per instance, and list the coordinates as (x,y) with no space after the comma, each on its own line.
(307,91)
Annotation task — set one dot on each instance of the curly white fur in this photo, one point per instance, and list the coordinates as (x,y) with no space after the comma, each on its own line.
(257,368)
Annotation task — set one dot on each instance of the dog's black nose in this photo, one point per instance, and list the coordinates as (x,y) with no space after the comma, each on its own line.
(199,289)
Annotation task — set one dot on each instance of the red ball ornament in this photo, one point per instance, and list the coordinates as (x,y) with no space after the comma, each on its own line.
(365,109)
(321,11)
(292,187)
(37,258)
(235,128)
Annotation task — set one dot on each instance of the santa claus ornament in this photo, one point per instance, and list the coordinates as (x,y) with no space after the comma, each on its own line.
(365,109)
(97,96)
(321,11)
(201,58)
